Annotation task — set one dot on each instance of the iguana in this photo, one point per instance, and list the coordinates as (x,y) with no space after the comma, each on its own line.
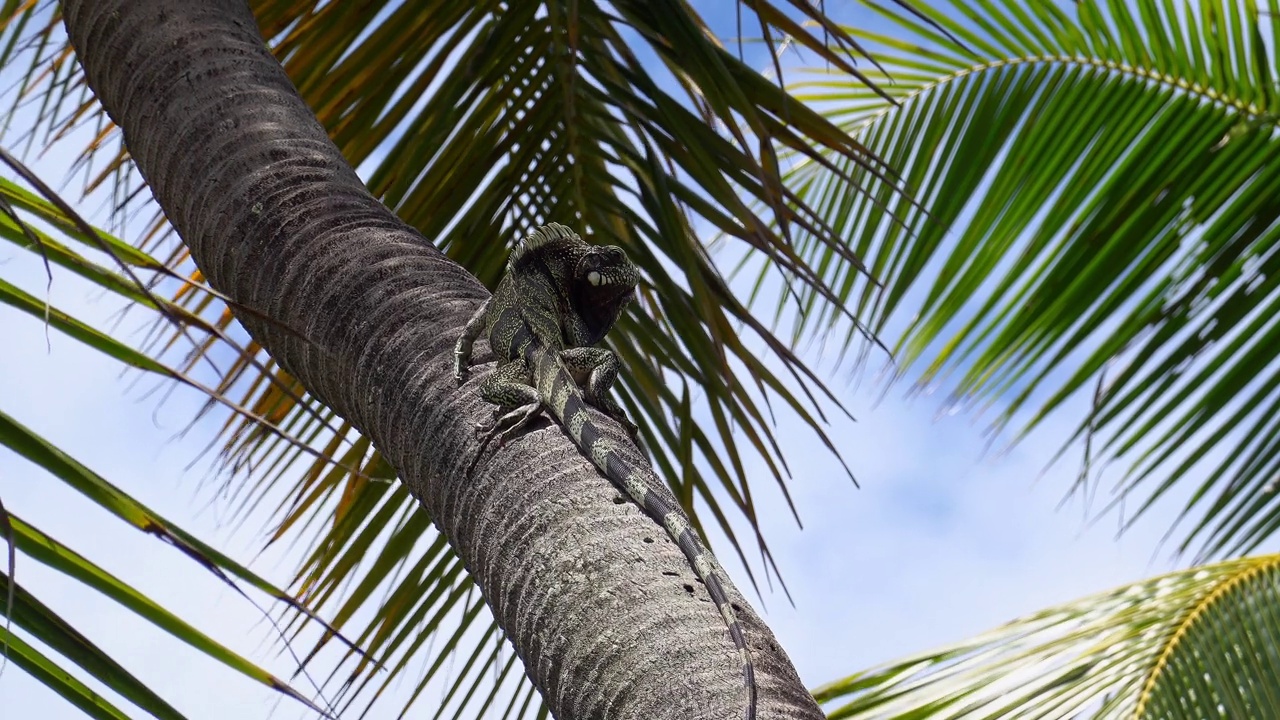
(559,297)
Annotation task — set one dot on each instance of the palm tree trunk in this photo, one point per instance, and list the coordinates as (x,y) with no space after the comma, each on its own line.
(277,220)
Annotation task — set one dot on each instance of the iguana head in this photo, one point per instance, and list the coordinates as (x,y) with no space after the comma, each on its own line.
(596,282)
(604,283)
(588,275)
(604,276)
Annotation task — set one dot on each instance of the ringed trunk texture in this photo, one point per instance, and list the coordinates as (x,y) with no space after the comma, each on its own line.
(601,607)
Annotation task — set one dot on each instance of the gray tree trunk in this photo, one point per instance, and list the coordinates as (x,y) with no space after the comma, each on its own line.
(595,600)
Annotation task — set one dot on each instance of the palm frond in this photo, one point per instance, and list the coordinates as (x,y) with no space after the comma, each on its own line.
(1102,213)
(36,224)
(43,623)
(1199,642)
(40,666)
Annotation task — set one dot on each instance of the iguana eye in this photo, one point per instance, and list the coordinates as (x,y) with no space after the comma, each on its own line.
(593,277)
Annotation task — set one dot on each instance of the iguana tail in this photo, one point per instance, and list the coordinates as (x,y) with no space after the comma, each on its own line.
(555,383)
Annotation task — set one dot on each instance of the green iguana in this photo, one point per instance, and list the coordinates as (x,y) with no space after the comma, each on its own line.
(559,297)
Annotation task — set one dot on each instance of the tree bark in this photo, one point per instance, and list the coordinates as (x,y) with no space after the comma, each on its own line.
(602,609)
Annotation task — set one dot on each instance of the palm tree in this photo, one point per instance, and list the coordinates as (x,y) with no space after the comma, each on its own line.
(529,89)
(557,122)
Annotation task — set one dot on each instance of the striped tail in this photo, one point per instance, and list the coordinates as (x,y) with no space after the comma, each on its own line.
(554,382)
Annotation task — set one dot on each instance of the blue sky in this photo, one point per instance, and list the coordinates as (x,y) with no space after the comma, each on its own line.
(945,539)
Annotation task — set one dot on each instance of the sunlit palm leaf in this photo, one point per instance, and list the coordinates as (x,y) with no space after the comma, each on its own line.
(1200,642)
(22,215)
(41,622)
(44,669)
(21,210)
(1103,199)
(479,121)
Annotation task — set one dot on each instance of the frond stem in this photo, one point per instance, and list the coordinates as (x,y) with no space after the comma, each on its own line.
(1252,112)
(1190,622)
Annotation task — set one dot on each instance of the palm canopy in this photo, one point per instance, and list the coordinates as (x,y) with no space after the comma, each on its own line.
(1101,184)
(64,242)
(562,121)
(400,87)
(476,122)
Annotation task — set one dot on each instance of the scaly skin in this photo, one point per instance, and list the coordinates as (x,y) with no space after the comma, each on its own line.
(560,296)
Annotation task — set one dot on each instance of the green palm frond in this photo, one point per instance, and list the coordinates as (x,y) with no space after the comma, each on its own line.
(47,671)
(1102,202)
(41,622)
(37,225)
(1199,642)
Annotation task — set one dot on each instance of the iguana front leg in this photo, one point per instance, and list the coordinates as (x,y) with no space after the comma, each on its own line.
(462,349)
(600,366)
(517,401)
